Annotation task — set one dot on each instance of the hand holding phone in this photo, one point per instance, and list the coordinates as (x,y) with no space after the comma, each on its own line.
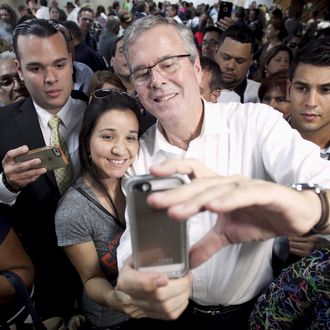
(158,242)
(52,157)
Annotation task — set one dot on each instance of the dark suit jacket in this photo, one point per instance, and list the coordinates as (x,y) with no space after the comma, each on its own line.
(33,214)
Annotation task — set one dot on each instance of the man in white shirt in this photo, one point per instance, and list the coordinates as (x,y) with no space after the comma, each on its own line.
(230,139)
(43,11)
(45,64)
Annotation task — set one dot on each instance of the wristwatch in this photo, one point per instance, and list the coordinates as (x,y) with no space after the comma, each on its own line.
(8,186)
(321,193)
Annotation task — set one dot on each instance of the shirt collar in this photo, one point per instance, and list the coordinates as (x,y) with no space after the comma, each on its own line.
(65,114)
(325,153)
(213,123)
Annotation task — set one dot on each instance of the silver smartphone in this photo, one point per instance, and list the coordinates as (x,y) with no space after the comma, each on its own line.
(158,242)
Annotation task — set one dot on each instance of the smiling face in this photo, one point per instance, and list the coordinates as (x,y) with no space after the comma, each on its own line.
(46,67)
(114,143)
(310,100)
(172,98)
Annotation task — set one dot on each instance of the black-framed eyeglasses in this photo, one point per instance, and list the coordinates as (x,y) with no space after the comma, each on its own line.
(165,67)
(211,43)
(8,80)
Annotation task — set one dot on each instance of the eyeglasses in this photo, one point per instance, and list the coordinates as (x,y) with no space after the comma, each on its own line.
(211,43)
(8,80)
(104,93)
(165,67)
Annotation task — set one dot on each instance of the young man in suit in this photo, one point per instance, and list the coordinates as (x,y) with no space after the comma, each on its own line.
(44,63)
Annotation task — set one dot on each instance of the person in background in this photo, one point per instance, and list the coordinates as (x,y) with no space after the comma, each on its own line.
(45,64)
(32,6)
(85,21)
(310,114)
(119,64)
(210,84)
(62,13)
(43,11)
(295,43)
(278,58)
(234,57)
(108,37)
(83,53)
(72,12)
(54,13)
(273,91)
(248,139)
(104,79)
(12,88)
(90,217)
(211,42)
(100,15)
(23,10)
(8,18)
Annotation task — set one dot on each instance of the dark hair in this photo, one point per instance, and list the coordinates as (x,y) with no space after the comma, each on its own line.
(213,29)
(85,9)
(269,56)
(212,66)
(95,109)
(104,76)
(42,28)
(114,46)
(276,79)
(279,26)
(316,52)
(242,34)
(74,29)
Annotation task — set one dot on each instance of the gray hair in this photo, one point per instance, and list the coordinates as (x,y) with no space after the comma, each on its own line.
(146,23)
(7,55)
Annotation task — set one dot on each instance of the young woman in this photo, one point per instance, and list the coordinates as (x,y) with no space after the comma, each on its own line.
(90,217)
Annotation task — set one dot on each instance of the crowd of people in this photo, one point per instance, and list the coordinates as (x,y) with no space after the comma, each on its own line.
(239,107)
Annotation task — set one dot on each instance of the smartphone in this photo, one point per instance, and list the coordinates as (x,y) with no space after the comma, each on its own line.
(158,242)
(52,157)
(225,9)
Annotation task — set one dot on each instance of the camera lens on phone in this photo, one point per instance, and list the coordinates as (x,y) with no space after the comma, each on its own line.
(145,187)
(57,152)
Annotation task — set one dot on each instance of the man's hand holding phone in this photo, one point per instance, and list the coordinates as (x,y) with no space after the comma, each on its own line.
(20,174)
(154,293)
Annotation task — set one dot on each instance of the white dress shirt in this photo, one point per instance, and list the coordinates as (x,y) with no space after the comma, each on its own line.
(247,139)
(71,115)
